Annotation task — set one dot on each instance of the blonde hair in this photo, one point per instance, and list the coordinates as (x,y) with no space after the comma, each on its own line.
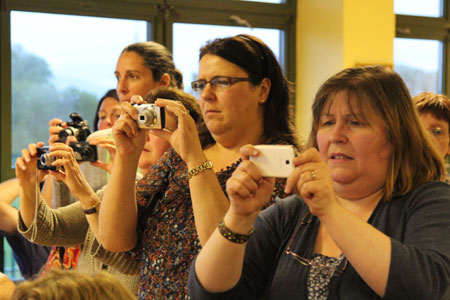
(414,159)
(69,284)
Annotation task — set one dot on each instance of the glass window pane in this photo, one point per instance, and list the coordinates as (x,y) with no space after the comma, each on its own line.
(62,64)
(419,63)
(428,8)
(186,45)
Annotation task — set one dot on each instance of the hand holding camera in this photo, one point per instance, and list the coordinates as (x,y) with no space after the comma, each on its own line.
(26,166)
(78,128)
(150,116)
(274,160)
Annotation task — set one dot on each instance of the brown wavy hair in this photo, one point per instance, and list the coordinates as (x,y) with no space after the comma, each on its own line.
(59,284)
(414,159)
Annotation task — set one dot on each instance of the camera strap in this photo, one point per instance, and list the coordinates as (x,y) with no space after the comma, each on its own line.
(36,204)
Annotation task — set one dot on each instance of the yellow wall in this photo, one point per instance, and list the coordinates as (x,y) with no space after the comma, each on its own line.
(336,34)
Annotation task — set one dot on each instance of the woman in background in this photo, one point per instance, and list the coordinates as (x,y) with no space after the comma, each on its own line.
(77,223)
(244,98)
(434,111)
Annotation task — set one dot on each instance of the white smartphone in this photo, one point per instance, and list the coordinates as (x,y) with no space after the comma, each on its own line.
(274,160)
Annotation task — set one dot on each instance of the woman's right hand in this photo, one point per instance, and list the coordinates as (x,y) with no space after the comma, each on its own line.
(128,137)
(26,166)
(247,189)
(55,128)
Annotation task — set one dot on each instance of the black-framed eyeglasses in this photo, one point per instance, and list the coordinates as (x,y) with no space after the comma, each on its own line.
(220,82)
(309,262)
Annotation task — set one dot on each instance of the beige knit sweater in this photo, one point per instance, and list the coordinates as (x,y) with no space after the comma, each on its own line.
(67,226)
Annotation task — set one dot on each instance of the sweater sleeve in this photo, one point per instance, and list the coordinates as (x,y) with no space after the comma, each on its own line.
(65,226)
(420,262)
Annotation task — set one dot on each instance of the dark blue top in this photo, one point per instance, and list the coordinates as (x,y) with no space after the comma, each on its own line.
(30,257)
(418,224)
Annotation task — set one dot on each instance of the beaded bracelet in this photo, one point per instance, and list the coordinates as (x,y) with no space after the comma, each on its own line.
(231,236)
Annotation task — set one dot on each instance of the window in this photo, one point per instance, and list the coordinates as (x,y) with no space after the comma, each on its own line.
(428,8)
(186,46)
(53,77)
(420,75)
(63,75)
(421,45)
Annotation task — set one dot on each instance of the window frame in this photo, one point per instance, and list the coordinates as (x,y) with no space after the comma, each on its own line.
(217,12)
(262,15)
(429,28)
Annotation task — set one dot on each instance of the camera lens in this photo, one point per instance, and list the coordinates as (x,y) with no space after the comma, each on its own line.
(46,159)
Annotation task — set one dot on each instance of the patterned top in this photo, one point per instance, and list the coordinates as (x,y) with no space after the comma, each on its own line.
(319,277)
(168,239)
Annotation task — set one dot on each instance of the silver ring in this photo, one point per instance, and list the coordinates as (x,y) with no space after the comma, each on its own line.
(313,175)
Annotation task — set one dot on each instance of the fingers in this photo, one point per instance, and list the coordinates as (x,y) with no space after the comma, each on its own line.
(128,110)
(176,108)
(126,125)
(245,180)
(54,130)
(309,155)
(102,140)
(28,156)
(247,151)
(137,99)
(308,161)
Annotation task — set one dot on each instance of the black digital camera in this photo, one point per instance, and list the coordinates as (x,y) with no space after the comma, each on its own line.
(151,116)
(44,160)
(84,151)
(78,128)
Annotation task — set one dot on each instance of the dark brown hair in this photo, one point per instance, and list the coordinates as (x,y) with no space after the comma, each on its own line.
(109,94)
(159,60)
(259,62)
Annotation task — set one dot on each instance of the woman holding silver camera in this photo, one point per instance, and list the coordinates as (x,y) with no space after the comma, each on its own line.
(140,68)
(244,98)
(77,223)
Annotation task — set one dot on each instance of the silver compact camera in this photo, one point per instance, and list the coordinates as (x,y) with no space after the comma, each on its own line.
(44,161)
(151,116)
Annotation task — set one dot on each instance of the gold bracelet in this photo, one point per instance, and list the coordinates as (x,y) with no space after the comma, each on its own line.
(92,210)
(232,236)
(203,167)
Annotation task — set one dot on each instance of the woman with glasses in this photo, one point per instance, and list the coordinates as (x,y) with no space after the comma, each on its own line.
(369,219)
(244,98)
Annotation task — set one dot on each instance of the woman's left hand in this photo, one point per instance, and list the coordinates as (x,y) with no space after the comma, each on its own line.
(70,173)
(108,144)
(181,131)
(312,181)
